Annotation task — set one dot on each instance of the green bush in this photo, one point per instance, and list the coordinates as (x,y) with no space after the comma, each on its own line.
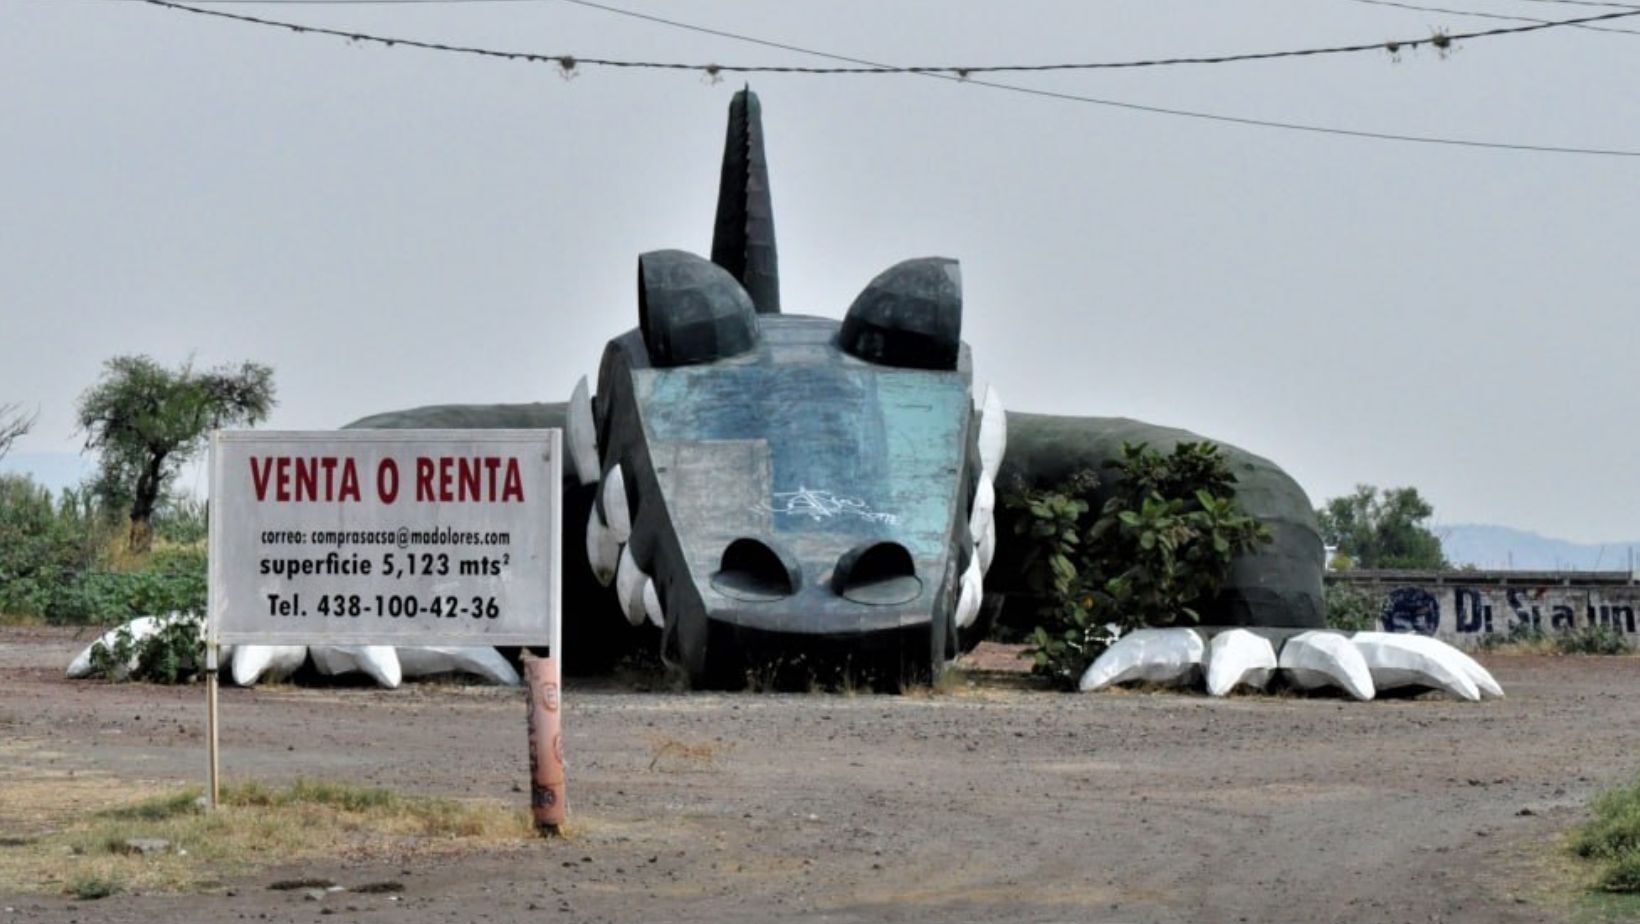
(174,654)
(54,561)
(1159,547)
(1613,837)
(1351,609)
(1592,640)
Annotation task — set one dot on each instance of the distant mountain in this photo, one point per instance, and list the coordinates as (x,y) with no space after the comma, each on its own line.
(1500,547)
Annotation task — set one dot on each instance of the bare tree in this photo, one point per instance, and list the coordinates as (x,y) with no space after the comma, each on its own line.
(13,424)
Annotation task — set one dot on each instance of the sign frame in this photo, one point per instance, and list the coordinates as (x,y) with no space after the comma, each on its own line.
(305,632)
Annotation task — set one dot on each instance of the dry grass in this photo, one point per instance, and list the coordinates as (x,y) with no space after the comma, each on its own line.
(85,853)
(675,755)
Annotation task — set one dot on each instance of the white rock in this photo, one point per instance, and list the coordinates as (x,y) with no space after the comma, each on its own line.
(381,662)
(1238,657)
(1403,659)
(255,662)
(1154,655)
(1320,659)
(581,435)
(481,661)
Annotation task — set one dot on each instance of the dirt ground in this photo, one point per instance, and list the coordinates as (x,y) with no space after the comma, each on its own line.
(989,802)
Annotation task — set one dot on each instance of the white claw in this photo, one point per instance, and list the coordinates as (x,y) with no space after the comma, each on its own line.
(1236,657)
(603,549)
(616,513)
(1156,655)
(986,548)
(482,661)
(629,582)
(381,662)
(1403,660)
(971,596)
(273,662)
(652,605)
(993,433)
(581,435)
(1320,659)
(984,508)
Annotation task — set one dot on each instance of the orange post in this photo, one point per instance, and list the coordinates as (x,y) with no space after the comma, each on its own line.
(541,681)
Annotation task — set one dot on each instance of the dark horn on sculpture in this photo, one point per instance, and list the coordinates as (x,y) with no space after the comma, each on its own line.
(743,239)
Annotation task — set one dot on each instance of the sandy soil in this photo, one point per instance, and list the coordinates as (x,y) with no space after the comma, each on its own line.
(988,803)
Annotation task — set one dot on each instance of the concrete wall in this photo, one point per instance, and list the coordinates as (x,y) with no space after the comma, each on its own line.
(1465,607)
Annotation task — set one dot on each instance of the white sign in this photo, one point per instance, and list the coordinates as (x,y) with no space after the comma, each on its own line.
(385,537)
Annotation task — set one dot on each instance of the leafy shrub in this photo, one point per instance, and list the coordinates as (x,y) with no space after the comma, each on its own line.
(181,520)
(1351,609)
(1159,547)
(1613,836)
(1520,634)
(173,654)
(1592,640)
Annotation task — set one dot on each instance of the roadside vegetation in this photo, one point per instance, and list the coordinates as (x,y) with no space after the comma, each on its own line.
(1157,548)
(168,842)
(1611,838)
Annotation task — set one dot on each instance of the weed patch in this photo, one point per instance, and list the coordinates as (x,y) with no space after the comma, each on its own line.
(91,856)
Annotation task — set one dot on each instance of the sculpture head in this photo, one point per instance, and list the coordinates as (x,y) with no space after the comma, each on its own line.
(786,475)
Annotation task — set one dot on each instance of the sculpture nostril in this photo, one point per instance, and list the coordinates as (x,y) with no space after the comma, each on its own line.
(877,573)
(752,570)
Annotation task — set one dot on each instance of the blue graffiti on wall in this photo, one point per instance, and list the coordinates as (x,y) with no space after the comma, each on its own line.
(1411,609)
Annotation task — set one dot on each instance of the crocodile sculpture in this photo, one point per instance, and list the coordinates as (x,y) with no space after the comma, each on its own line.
(752,481)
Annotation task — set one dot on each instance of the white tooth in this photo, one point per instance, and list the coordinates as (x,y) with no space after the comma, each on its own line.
(603,549)
(973,593)
(1154,655)
(1237,657)
(652,605)
(581,435)
(616,514)
(1321,659)
(993,433)
(1398,660)
(984,507)
(986,548)
(629,581)
(254,662)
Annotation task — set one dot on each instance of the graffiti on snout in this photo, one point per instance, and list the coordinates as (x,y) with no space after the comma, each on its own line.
(1411,609)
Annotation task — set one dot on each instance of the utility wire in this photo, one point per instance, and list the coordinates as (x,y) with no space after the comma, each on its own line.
(1015,88)
(1132,107)
(1424,9)
(1439,40)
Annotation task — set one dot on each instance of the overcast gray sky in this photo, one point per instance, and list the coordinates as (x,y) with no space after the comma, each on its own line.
(394,227)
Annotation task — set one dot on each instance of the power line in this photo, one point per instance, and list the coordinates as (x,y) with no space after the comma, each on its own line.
(1132,107)
(1439,40)
(569,63)
(1438,9)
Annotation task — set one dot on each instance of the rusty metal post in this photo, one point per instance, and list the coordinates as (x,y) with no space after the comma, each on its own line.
(541,683)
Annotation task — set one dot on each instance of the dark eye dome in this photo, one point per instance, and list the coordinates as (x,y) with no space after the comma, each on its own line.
(909,316)
(691,310)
